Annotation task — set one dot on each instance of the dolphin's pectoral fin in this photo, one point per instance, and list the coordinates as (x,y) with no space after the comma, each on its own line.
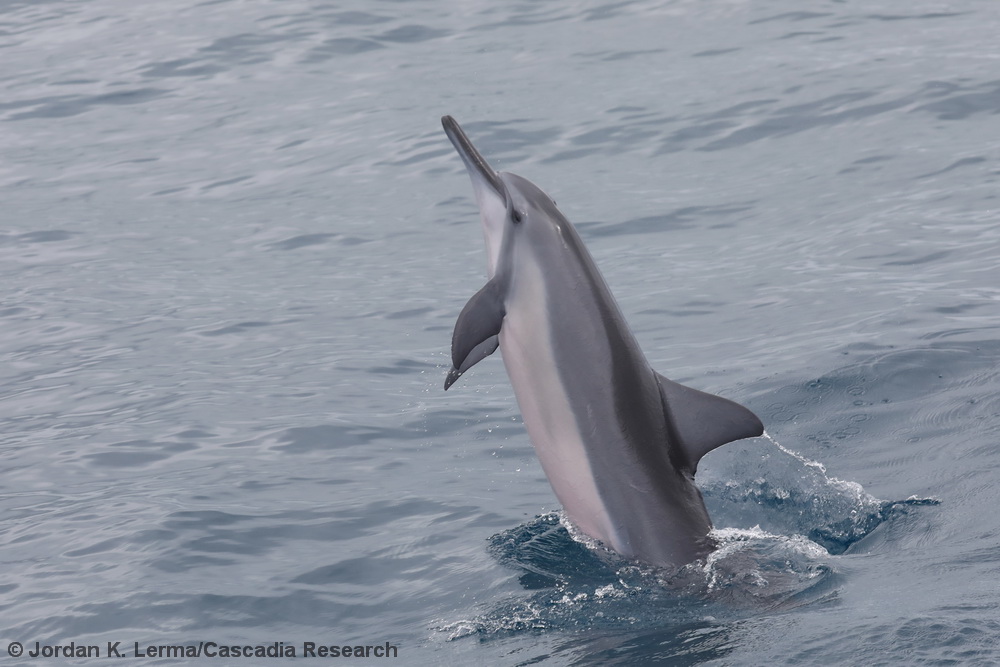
(705,421)
(479,352)
(476,331)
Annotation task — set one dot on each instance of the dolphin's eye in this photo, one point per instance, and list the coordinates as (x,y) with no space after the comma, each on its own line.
(515,215)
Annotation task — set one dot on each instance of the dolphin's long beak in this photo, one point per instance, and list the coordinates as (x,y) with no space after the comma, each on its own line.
(474,162)
(491,193)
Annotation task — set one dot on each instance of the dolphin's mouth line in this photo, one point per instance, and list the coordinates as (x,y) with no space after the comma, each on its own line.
(472,158)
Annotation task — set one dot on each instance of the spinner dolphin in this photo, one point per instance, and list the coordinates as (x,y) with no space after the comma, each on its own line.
(619,442)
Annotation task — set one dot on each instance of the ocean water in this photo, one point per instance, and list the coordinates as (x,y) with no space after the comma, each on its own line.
(234,241)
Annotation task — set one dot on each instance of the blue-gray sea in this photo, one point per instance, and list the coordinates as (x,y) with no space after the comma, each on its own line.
(234,241)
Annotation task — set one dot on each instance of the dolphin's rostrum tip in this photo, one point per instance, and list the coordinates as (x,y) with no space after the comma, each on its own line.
(450,125)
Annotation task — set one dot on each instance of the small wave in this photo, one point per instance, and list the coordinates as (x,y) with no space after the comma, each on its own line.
(754,569)
(808,518)
(793,495)
(576,585)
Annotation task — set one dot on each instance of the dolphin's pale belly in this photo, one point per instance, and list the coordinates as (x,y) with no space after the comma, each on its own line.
(547,409)
(587,453)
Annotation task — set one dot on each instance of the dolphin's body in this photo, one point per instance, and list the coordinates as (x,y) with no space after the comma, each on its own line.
(619,442)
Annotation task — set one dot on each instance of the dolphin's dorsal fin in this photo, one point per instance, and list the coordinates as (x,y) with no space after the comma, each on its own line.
(701,422)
